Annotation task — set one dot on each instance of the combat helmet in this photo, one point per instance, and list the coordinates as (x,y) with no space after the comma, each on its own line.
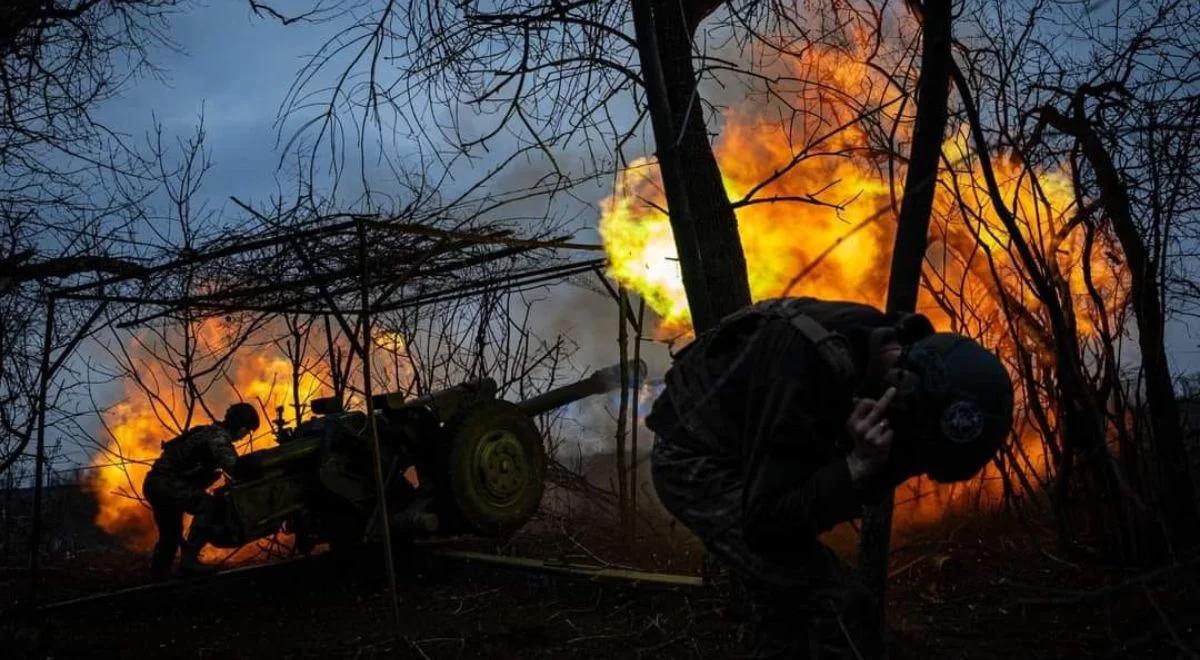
(955,399)
(241,415)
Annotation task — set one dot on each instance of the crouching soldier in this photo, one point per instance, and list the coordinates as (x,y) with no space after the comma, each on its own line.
(785,419)
(178,483)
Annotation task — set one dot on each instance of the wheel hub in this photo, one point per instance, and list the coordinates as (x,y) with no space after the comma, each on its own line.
(502,465)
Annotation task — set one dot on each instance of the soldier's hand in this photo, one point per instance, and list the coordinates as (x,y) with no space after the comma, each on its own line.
(870,434)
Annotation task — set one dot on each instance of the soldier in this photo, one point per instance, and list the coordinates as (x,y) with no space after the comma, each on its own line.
(785,419)
(179,480)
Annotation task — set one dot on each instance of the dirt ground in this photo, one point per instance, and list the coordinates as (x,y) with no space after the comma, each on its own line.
(976,589)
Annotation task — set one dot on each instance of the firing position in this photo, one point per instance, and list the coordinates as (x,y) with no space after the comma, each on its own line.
(785,419)
(178,483)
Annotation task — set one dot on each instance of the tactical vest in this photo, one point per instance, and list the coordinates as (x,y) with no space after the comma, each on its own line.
(181,458)
(694,382)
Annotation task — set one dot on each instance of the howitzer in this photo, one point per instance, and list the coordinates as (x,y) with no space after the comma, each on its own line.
(459,460)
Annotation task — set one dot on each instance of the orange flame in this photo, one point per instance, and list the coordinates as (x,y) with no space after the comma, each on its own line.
(836,243)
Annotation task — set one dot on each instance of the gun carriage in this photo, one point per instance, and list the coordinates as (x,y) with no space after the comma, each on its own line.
(479,463)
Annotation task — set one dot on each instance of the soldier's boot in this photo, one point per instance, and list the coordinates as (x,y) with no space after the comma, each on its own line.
(158,571)
(161,560)
(201,506)
(417,519)
(189,557)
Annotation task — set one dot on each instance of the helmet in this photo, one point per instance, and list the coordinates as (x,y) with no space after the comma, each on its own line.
(241,415)
(955,399)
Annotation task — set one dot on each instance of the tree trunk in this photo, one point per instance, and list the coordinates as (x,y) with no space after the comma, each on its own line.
(702,219)
(634,481)
(909,253)
(622,412)
(912,228)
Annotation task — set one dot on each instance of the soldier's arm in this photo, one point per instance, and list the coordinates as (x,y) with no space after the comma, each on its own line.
(794,489)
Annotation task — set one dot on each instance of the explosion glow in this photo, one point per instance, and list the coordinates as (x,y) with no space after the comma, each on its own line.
(137,427)
(155,411)
(841,249)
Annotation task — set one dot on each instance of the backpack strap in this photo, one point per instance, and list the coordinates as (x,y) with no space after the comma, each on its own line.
(832,347)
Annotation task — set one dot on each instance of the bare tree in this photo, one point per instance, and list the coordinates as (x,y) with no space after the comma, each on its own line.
(1118,115)
(1132,130)
(66,177)
(70,188)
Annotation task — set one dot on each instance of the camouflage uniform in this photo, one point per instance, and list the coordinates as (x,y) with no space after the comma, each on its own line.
(178,483)
(749,454)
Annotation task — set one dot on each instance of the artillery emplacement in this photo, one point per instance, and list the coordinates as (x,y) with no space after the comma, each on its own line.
(479,465)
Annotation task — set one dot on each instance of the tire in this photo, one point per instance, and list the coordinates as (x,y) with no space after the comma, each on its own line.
(493,469)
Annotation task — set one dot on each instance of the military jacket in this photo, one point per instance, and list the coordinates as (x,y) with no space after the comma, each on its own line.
(198,455)
(755,399)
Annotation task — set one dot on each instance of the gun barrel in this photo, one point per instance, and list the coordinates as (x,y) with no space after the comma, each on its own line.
(599,382)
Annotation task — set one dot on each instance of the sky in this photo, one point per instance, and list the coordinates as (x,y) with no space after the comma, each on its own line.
(234,69)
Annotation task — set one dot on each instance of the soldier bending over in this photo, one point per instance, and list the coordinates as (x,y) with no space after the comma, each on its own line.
(179,480)
(785,419)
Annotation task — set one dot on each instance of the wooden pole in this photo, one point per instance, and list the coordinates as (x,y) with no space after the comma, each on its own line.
(39,460)
(623,412)
(389,559)
(633,414)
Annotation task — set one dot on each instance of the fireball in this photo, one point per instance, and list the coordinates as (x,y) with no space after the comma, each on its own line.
(825,228)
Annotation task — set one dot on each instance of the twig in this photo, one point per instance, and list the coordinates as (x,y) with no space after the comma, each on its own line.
(1062,561)
(898,571)
(586,638)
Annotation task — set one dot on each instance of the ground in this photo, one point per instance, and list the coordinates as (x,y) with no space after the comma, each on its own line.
(978,588)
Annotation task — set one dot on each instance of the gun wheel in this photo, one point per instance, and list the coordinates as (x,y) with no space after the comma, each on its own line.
(495,468)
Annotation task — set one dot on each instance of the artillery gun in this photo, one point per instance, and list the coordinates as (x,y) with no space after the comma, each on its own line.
(478,461)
